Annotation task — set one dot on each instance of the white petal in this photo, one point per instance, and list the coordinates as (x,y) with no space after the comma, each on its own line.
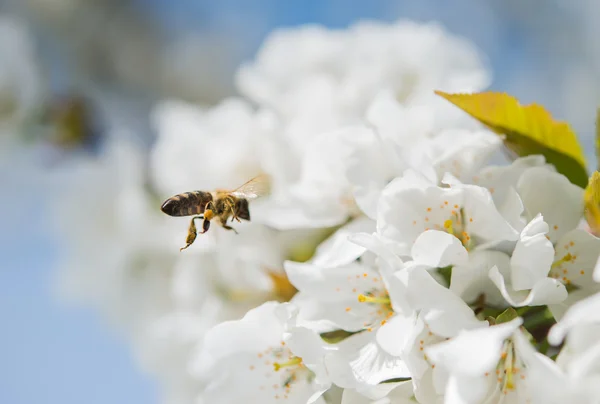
(473,352)
(386,393)
(392,336)
(438,249)
(471,280)
(369,365)
(461,152)
(584,249)
(306,344)
(532,257)
(552,195)
(487,223)
(511,208)
(466,389)
(337,250)
(583,312)
(369,170)
(409,206)
(544,291)
(444,312)
(259,328)
(374,244)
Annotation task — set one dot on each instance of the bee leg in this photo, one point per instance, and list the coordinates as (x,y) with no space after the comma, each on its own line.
(225,226)
(192,232)
(205,226)
(230,228)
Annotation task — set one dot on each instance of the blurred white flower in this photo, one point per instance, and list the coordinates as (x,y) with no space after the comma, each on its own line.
(423,247)
(326,86)
(20,79)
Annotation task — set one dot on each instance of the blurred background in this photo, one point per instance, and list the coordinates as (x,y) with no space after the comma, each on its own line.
(71,68)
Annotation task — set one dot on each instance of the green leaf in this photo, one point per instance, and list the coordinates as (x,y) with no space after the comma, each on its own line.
(527,130)
(506,316)
(591,198)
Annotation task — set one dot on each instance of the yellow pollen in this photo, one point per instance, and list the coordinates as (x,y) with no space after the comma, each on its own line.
(555,227)
(383,322)
(428,209)
(455,206)
(448,226)
(582,272)
(370,299)
(294,360)
(348,309)
(567,258)
(369,329)
(365,275)
(445,202)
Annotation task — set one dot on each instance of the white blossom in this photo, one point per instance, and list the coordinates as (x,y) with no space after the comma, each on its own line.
(404,248)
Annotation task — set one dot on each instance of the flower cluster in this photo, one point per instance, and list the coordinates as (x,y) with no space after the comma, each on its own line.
(389,263)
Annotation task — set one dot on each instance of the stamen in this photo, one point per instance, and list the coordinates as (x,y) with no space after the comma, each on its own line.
(370,299)
(294,360)
(508,369)
(566,258)
(448,226)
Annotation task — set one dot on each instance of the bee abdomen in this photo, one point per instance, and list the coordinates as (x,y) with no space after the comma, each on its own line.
(187,203)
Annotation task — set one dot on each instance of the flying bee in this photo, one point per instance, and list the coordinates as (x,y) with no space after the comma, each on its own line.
(220,204)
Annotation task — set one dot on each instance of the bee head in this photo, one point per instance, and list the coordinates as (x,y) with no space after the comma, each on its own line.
(242,210)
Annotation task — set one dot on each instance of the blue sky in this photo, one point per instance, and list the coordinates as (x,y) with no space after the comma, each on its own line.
(52,353)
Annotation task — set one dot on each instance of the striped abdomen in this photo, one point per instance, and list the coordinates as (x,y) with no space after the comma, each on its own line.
(186,204)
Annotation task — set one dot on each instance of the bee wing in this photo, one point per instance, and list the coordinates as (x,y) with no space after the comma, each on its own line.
(253,188)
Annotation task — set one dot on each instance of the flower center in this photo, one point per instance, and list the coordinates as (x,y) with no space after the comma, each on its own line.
(380,299)
(370,299)
(567,258)
(507,369)
(566,269)
(457,227)
(293,361)
(288,370)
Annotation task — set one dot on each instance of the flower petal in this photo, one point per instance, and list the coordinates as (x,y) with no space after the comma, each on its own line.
(438,249)
(471,280)
(473,352)
(337,250)
(583,312)
(544,291)
(552,195)
(532,257)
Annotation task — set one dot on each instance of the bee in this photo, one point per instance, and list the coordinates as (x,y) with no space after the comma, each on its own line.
(220,204)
